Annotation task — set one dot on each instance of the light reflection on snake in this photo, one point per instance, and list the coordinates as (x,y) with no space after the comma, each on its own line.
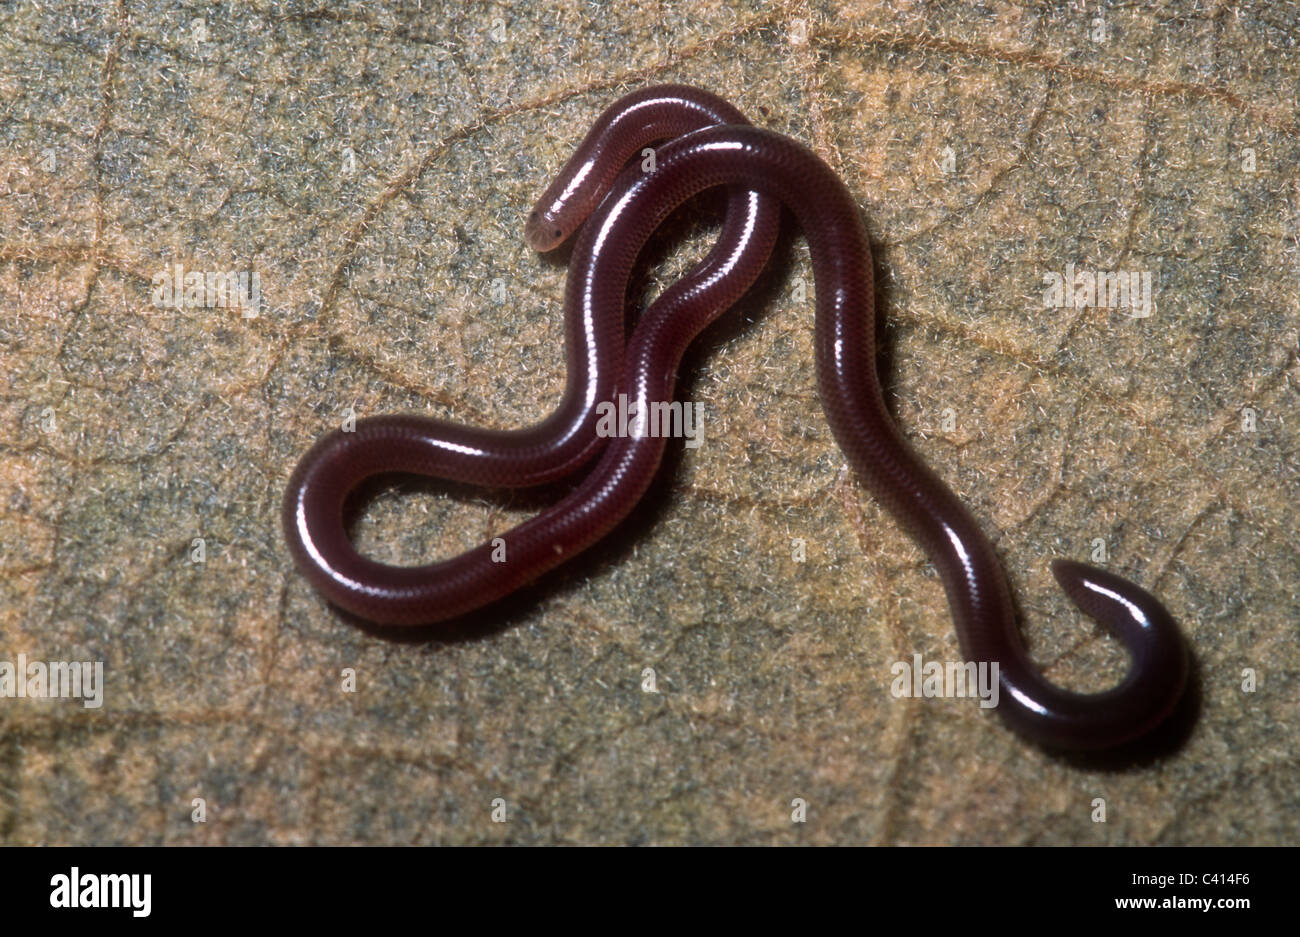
(708,144)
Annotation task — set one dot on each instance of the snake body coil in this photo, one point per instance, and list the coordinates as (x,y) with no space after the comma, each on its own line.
(710,146)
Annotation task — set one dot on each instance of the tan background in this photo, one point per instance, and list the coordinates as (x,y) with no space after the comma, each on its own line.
(223,678)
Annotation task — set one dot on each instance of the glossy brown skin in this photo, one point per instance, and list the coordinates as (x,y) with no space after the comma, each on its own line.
(976,586)
(623,131)
(595,352)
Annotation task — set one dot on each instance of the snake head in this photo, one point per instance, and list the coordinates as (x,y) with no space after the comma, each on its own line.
(542,232)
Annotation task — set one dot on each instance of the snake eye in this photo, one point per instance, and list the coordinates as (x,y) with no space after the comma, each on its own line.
(558,233)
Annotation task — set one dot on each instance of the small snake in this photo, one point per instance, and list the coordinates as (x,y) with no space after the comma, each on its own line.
(719,149)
